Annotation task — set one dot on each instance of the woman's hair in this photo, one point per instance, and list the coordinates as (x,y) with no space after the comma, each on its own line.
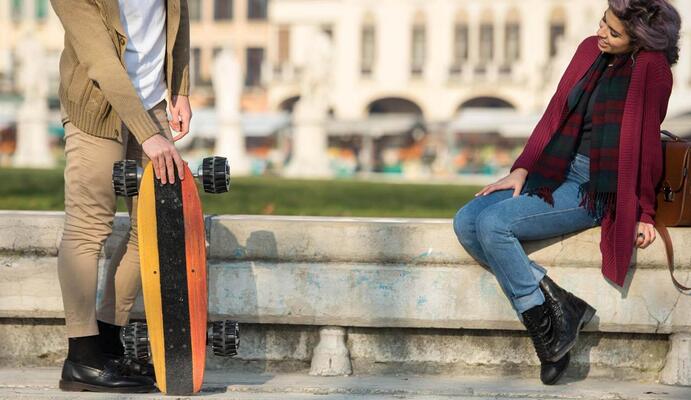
(651,24)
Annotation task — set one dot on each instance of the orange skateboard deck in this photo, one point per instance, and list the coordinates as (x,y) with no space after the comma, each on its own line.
(172,251)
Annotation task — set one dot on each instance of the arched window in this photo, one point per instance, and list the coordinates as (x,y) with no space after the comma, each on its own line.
(557,29)
(486,37)
(368,50)
(418,50)
(512,49)
(460,49)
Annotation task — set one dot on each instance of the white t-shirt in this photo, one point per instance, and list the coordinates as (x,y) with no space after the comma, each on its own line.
(145,25)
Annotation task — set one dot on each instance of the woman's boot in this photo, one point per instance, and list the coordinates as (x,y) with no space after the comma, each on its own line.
(539,322)
(570,313)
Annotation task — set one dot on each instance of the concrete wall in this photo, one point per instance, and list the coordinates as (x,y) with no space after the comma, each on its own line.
(397,294)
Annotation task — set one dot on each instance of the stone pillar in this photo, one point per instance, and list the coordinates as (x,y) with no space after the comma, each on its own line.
(33,147)
(677,369)
(230,139)
(331,356)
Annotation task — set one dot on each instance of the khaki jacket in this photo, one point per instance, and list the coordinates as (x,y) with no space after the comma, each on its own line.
(95,91)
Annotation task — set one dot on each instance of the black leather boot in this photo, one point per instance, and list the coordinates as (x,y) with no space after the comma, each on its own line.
(78,377)
(540,324)
(570,314)
(550,372)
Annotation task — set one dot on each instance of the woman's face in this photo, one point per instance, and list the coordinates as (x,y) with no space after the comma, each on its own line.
(612,36)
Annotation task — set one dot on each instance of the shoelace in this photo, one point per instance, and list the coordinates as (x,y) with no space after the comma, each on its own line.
(540,336)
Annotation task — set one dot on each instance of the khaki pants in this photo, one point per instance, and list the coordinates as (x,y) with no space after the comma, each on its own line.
(90,205)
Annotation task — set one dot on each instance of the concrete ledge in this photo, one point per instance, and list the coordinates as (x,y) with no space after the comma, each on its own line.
(371,274)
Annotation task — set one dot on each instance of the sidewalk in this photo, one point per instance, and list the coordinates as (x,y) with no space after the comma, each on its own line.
(41,383)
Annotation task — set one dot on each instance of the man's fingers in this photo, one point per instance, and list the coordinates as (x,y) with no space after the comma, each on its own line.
(517,191)
(180,164)
(169,167)
(185,124)
(160,168)
(179,136)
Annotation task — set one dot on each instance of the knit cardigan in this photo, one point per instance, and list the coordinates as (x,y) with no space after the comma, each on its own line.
(640,148)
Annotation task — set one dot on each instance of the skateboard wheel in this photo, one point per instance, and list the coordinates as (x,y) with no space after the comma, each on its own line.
(125,178)
(225,338)
(135,340)
(215,175)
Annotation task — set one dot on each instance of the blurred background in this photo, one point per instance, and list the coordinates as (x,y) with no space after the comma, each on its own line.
(404,90)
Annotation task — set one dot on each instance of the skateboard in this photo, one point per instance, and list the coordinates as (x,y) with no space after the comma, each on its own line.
(172,253)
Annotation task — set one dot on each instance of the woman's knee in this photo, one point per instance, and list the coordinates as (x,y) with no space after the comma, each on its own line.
(490,224)
(464,226)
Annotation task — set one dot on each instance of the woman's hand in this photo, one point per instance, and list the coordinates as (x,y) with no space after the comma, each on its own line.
(645,235)
(181,114)
(515,180)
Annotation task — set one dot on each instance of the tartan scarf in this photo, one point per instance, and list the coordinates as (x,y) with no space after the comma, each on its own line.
(599,194)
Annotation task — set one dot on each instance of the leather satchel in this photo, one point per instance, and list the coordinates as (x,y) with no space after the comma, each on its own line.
(673,194)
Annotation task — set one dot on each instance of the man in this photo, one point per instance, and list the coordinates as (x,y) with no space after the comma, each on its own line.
(122,60)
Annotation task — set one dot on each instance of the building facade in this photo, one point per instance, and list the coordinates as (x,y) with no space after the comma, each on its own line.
(436,57)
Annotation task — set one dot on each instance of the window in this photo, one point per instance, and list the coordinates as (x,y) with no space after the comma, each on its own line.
(418,50)
(257,9)
(283,45)
(195,9)
(223,10)
(196,66)
(556,32)
(486,43)
(460,47)
(368,50)
(17,10)
(513,42)
(41,9)
(253,73)
(557,28)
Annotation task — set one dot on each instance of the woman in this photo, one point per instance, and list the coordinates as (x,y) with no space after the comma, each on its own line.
(593,159)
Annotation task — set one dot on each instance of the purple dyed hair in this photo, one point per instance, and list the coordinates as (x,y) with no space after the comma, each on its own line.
(652,25)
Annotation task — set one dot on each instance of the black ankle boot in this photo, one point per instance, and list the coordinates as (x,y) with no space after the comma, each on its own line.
(569,312)
(540,324)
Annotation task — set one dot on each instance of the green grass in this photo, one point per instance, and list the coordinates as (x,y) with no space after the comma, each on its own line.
(43,190)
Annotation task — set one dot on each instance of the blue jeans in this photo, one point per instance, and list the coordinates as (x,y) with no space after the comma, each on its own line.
(491,227)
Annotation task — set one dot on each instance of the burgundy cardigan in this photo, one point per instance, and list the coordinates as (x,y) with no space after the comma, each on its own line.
(640,149)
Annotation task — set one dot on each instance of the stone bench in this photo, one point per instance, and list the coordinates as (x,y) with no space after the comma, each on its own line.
(365,273)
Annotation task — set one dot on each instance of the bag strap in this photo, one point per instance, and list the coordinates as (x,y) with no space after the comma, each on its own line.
(662,229)
(672,136)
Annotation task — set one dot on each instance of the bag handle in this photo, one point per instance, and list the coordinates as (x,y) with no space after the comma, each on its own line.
(669,250)
(672,136)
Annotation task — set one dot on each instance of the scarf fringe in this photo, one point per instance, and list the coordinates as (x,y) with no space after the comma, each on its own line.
(597,204)
(544,192)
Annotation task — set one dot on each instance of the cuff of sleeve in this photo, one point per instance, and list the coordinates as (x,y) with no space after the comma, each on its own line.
(647,219)
(141,126)
(182,87)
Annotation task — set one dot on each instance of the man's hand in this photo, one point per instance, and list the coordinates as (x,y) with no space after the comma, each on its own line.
(181,113)
(163,154)
(645,235)
(515,180)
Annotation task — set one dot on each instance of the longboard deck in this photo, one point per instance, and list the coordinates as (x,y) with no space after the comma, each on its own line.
(172,251)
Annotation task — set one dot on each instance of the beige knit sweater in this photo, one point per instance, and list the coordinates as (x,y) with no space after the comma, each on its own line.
(95,91)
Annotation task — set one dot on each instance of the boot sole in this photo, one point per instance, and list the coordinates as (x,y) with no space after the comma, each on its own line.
(588,314)
(71,386)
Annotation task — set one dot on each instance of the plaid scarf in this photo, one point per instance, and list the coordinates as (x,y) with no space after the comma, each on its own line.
(599,194)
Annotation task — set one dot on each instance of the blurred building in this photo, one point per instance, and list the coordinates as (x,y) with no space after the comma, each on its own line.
(435,58)
(241,25)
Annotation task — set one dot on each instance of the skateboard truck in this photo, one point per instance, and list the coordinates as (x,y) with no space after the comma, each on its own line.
(135,340)
(223,336)
(213,173)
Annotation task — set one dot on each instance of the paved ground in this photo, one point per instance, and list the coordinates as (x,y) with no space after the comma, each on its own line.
(41,383)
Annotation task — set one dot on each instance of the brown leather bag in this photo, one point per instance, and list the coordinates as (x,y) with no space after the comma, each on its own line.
(673,194)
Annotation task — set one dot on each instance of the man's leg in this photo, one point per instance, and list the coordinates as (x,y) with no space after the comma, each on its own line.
(89,212)
(127,280)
